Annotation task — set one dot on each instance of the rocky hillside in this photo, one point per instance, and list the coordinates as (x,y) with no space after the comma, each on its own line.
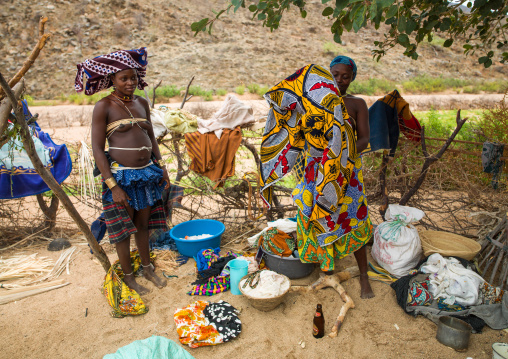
(239,51)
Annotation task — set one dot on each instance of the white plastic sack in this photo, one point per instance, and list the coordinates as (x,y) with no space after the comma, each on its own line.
(397,247)
(159,128)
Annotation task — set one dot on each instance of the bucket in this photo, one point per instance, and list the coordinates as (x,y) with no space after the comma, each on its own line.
(191,248)
(499,351)
(453,333)
(238,269)
(291,267)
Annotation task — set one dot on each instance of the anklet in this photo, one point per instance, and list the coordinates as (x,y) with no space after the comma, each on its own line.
(148,265)
(131,273)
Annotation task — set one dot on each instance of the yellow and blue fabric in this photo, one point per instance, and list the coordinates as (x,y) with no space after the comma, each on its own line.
(308,118)
(18,177)
(121,298)
(346,61)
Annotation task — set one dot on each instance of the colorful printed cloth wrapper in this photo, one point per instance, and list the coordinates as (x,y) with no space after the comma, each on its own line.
(213,277)
(389,116)
(98,69)
(141,185)
(224,317)
(490,294)
(311,251)
(307,116)
(18,177)
(197,329)
(455,307)
(121,298)
(419,294)
(276,242)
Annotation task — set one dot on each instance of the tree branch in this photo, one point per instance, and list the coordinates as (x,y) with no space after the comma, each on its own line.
(185,99)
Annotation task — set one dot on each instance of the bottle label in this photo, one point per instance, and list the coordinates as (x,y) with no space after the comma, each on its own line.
(315,330)
(318,314)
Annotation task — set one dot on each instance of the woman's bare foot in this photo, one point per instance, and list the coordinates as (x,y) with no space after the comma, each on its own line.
(132,284)
(366,290)
(149,274)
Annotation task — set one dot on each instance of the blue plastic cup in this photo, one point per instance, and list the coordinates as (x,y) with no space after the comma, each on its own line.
(238,268)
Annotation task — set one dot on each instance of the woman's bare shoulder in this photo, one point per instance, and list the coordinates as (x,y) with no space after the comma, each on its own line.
(357,100)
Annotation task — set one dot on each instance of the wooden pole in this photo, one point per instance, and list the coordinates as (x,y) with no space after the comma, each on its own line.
(29,147)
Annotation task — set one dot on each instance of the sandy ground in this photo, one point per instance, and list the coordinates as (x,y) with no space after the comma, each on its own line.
(54,325)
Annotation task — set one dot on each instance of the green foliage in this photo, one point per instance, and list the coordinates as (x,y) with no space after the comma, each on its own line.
(371,87)
(494,122)
(333,48)
(206,95)
(29,99)
(410,22)
(253,88)
(240,90)
(221,92)
(82,99)
(256,89)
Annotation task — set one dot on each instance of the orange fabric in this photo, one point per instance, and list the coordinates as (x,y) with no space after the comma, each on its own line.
(213,157)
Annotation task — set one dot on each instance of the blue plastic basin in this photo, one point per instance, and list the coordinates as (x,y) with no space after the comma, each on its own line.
(190,248)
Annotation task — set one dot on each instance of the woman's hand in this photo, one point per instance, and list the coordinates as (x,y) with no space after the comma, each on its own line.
(120,197)
(165,178)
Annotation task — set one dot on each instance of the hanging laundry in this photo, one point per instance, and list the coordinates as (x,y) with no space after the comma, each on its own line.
(213,157)
(197,327)
(232,113)
(491,160)
(389,116)
(18,177)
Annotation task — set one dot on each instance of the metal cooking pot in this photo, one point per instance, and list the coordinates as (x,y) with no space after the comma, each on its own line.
(453,333)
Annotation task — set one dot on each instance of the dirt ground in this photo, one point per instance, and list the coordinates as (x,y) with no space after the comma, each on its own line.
(55,324)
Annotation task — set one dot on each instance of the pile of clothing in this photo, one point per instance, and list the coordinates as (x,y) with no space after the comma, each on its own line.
(450,286)
(202,323)
(213,276)
(277,238)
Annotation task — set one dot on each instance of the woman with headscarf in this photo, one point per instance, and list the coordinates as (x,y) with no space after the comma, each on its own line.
(308,129)
(133,179)
(344,70)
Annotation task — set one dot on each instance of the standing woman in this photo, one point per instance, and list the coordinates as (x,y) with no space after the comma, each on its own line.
(344,70)
(133,179)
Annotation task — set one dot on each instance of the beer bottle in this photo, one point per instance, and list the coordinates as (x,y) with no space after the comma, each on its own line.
(318,330)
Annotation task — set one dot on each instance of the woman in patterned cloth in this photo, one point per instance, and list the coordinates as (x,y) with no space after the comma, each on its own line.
(344,70)
(308,129)
(133,179)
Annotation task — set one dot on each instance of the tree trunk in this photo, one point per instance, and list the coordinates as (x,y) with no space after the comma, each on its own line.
(29,147)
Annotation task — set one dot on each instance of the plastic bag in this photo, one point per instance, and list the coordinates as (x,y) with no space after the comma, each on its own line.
(397,247)
(159,128)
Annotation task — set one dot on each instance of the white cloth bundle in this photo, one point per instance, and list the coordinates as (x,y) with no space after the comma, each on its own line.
(271,284)
(452,281)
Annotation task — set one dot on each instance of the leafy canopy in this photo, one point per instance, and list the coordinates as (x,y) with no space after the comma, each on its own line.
(479,25)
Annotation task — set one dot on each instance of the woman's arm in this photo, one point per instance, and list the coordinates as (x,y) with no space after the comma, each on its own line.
(362,126)
(155,145)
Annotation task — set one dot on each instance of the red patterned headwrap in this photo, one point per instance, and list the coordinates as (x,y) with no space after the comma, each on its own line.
(98,69)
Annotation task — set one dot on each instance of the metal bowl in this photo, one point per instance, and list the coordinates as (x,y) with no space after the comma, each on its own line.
(453,333)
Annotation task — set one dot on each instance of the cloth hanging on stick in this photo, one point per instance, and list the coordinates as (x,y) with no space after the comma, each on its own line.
(213,157)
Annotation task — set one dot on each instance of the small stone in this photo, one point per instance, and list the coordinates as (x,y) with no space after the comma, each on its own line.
(58,244)
(303,345)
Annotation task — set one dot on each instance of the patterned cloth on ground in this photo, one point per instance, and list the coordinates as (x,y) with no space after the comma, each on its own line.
(99,69)
(120,225)
(455,307)
(18,177)
(224,317)
(197,329)
(308,118)
(212,157)
(311,251)
(121,298)
(213,278)
(418,294)
(141,185)
(388,116)
(490,294)
(155,347)
(276,242)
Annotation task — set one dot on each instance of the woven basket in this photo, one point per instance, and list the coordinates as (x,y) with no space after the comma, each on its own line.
(448,244)
(265,304)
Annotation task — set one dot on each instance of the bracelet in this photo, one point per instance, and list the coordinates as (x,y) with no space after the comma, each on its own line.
(111,182)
